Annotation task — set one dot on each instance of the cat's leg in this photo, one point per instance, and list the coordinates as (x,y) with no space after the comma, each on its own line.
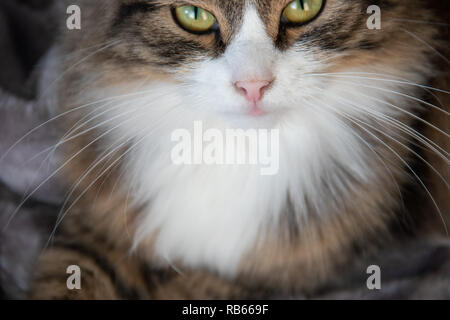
(52,280)
(127,279)
(83,264)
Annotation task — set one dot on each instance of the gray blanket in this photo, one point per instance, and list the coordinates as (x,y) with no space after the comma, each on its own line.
(26,33)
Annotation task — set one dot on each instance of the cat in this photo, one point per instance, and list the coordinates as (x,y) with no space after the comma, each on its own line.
(362,116)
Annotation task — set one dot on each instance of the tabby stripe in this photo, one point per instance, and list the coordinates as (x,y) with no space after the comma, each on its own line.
(156,277)
(128,10)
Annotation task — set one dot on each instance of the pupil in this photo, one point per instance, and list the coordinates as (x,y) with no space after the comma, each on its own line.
(196,13)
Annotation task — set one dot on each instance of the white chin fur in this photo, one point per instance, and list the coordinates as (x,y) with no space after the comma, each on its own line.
(210,215)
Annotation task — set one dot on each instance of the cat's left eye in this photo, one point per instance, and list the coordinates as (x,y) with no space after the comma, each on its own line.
(302,11)
(194,19)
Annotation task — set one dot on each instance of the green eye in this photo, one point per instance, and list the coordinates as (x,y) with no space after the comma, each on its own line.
(302,11)
(194,19)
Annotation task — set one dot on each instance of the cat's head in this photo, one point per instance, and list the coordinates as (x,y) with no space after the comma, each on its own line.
(254,57)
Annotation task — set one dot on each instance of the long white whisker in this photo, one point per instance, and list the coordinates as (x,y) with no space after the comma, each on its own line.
(404,128)
(69,137)
(396,107)
(82,122)
(112,43)
(350,76)
(415,175)
(346,101)
(87,172)
(2,158)
(422,22)
(425,43)
(355,121)
(359,137)
(60,168)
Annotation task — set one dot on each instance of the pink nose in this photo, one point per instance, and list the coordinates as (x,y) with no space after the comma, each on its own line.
(254,89)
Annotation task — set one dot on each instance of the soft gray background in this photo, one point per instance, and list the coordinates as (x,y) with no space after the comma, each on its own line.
(26,33)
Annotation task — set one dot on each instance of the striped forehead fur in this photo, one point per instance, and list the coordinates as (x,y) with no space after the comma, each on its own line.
(151,36)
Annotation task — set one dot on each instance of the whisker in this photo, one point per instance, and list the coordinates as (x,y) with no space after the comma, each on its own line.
(416,176)
(359,137)
(53,148)
(112,43)
(425,43)
(59,169)
(406,129)
(398,108)
(355,121)
(422,22)
(400,143)
(59,116)
(347,75)
(82,122)
(401,126)
(69,137)
(87,172)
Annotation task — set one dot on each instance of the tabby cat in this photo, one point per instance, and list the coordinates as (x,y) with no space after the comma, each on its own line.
(362,116)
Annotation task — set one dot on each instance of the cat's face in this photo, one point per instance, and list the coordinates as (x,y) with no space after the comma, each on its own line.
(252,57)
(327,83)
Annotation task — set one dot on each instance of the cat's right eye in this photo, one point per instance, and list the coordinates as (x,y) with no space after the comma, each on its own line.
(302,11)
(194,19)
